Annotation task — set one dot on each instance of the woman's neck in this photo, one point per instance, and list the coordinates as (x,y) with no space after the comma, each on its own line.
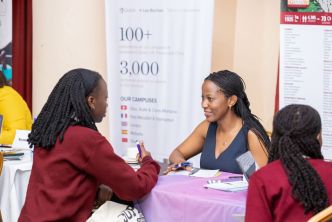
(230,122)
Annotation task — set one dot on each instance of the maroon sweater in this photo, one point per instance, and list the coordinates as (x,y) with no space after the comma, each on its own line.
(270,194)
(64,180)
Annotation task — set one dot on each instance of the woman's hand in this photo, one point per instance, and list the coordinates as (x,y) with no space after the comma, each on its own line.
(143,152)
(177,166)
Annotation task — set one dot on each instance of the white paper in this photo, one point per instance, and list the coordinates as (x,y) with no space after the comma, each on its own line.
(238,217)
(228,186)
(179,172)
(21,139)
(205,173)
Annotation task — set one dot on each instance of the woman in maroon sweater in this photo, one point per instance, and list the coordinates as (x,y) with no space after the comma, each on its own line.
(297,182)
(71,158)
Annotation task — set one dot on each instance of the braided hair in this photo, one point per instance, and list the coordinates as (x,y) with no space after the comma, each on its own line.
(231,84)
(65,106)
(294,138)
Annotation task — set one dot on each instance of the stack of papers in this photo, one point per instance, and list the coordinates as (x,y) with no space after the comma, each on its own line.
(228,186)
(196,172)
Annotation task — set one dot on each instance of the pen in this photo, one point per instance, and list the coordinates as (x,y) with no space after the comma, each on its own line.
(139,148)
(235,177)
(183,164)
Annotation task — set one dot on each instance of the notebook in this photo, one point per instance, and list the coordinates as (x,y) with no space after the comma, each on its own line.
(247,164)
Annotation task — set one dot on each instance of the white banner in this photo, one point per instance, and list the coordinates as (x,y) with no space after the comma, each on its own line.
(158,53)
(306,61)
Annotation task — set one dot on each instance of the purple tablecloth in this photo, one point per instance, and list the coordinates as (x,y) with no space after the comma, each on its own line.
(184,199)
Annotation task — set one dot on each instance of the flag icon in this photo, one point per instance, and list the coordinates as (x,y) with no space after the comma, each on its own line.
(124,115)
(124,140)
(124,131)
(123,107)
(124,123)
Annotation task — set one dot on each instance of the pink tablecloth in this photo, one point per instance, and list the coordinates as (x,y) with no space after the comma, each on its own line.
(184,199)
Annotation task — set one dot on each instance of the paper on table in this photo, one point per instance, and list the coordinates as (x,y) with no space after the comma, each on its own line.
(196,172)
(228,186)
(239,217)
(179,172)
(21,139)
(205,173)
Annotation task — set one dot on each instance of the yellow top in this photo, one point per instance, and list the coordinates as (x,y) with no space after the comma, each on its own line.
(16,114)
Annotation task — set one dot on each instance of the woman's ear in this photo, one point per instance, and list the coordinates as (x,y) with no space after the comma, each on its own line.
(319,138)
(91,102)
(232,101)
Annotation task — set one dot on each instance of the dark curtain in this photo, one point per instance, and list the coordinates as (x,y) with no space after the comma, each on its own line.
(22,49)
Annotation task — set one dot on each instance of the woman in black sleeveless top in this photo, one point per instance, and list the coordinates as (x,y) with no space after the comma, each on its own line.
(229,129)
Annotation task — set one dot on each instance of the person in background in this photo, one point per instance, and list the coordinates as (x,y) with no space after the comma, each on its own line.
(71,158)
(229,130)
(16,113)
(6,62)
(297,182)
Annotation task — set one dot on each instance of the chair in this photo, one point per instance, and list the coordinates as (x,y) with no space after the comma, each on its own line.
(323,216)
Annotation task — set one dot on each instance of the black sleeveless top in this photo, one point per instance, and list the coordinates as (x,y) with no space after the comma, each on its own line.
(226,160)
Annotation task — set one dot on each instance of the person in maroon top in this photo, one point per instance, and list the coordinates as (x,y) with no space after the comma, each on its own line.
(71,158)
(297,182)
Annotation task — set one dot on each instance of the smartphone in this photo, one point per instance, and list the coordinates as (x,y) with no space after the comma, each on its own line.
(139,148)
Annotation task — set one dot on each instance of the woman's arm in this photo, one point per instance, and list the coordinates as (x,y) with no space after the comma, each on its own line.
(257,149)
(192,146)
(113,171)
(16,114)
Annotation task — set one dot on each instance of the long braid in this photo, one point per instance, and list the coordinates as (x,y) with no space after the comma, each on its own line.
(65,106)
(242,109)
(294,138)
(232,84)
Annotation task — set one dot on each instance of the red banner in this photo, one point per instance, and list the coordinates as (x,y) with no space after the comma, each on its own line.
(306,18)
